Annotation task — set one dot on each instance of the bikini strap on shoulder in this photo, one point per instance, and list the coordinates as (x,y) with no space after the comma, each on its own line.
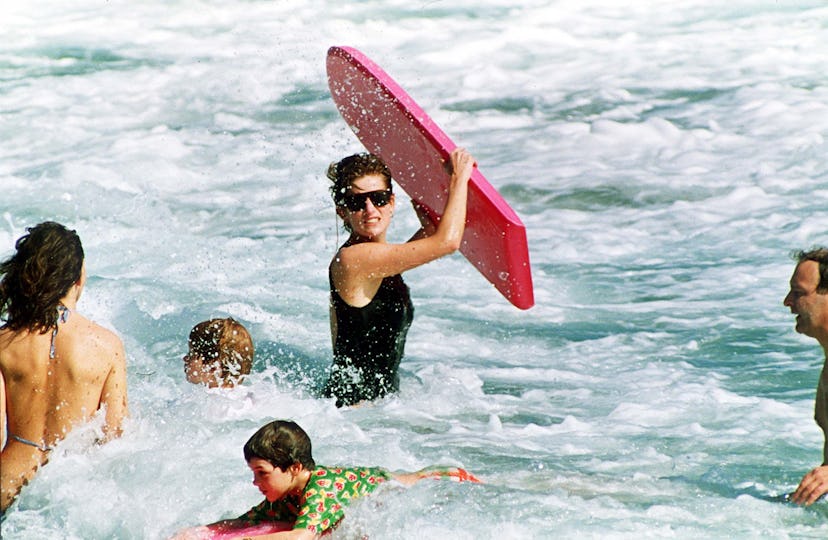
(63,316)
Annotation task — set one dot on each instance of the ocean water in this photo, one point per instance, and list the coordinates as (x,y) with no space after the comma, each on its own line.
(665,157)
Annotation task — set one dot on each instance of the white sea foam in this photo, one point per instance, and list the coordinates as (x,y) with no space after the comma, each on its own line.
(665,159)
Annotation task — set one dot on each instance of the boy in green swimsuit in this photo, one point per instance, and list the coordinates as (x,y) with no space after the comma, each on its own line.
(307,499)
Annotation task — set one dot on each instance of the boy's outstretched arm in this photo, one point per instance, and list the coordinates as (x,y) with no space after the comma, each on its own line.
(449,473)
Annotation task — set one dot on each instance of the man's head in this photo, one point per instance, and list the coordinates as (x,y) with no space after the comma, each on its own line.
(808,296)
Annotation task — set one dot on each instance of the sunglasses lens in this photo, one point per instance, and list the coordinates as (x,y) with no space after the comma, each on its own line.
(379,198)
(356,201)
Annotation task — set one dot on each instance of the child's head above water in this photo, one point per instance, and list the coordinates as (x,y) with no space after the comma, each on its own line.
(281,443)
(220,353)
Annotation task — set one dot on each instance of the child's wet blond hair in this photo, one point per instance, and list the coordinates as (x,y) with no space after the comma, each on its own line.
(225,343)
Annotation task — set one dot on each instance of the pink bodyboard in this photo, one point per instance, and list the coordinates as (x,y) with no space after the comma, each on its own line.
(391,125)
(250,530)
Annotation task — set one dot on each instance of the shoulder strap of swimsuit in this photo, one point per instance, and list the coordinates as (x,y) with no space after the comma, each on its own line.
(63,316)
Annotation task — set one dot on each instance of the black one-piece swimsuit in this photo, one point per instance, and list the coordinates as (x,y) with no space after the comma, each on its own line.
(370,342)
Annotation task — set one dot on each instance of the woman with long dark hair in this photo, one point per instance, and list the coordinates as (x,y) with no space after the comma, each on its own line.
(57,367)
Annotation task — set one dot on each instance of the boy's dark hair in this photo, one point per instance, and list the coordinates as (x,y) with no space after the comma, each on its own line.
(48,261)
(282,443)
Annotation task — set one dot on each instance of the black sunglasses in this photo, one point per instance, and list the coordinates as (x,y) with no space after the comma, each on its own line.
(356,201)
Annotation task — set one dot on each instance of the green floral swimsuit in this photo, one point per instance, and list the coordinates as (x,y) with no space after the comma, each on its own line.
(329,490)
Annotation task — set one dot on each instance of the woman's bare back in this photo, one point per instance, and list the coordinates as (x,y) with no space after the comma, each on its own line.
(47,397)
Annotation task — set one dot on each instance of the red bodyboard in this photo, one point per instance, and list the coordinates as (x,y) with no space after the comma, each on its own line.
(391,125)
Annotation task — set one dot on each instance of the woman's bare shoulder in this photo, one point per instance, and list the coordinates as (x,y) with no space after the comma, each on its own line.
(104,340)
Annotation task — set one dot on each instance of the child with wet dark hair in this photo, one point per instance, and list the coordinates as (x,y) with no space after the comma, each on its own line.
(220,353)
(303,500)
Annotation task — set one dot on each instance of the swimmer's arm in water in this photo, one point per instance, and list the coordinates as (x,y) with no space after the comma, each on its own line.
(436,473)
(114,391)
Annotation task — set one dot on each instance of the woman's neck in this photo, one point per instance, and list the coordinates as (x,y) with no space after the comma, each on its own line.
(70,299)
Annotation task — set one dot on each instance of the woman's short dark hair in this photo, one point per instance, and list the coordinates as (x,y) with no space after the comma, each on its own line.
(47,262)
(281,443)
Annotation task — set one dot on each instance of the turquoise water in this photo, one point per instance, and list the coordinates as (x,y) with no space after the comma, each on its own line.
(664,157)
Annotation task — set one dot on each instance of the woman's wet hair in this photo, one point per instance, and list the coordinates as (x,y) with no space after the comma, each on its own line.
(225,343)
(344,172)
(281,443)
(48,261)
